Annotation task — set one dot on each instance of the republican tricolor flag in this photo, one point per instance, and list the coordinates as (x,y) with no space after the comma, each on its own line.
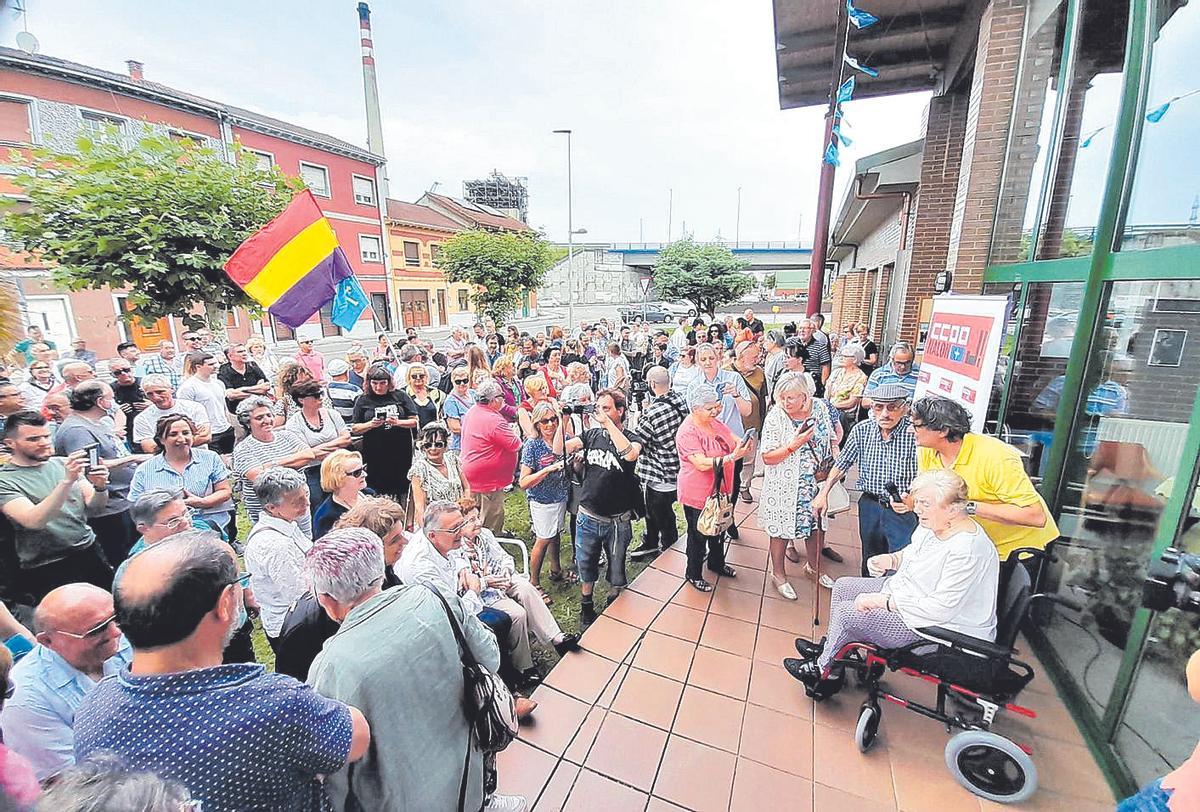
(294,266)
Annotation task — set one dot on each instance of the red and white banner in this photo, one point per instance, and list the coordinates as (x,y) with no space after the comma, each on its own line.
(962,348)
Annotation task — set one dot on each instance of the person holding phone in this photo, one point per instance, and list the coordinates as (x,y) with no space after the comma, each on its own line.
(798,435)
(705,445)
(385,418)
(736,404)
(544,480)
(48,500)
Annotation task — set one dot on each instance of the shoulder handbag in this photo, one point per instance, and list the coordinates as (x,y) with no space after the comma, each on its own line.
(487,702)
(717,514)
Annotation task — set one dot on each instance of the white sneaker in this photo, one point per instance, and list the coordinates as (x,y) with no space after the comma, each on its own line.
(506,803)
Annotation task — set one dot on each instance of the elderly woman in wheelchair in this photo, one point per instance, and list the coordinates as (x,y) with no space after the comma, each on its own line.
(948,578)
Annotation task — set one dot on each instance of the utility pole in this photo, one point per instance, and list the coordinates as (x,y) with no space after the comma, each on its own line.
(570,237)
(737,229)
(670,211)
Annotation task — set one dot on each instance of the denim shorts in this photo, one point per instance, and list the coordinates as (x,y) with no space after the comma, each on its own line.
(592,535)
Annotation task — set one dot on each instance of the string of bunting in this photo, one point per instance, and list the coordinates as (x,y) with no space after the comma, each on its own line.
(859,19)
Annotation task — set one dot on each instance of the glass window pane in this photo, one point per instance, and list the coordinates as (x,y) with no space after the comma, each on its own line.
(1141,383)
(1071,207)
(1030,132)
(1163,210)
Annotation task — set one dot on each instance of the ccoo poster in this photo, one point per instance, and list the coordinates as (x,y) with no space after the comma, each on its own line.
(961,351)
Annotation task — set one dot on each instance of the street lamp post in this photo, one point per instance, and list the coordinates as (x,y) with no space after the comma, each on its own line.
(570,237)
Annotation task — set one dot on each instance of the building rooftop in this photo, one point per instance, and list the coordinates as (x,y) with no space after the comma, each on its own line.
(915,45)
(474,215)
(415,214)
(154,91)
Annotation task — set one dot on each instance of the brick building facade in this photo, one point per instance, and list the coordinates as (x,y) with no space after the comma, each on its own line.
(52,102)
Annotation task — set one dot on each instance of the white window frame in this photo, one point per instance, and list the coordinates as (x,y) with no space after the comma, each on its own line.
(262,153)
(362,253)
(328,184)
(35,133)
(88,114)
(66,300)
(123,326)
(199,139)
(374,190)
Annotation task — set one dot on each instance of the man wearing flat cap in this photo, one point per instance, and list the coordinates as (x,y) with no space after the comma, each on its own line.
(886,453)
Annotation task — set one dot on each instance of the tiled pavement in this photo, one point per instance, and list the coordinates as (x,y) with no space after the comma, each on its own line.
(679,701)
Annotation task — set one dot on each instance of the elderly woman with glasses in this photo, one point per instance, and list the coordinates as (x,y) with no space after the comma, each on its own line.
(428,401)
(544,480)
(948,576)
(845,386)
(276,545)
(457,403)
(706,445)
(436,473)
(344,478)
(196,473)
(798,436)
(320,427)
(385,418)
(263,449)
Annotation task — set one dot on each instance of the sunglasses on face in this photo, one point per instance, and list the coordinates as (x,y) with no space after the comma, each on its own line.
(434,444)
(549,421)
(94,632)
(460,380)
(357,472)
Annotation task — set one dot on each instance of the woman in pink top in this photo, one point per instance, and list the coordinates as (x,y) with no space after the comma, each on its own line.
(490,449)
(704,442)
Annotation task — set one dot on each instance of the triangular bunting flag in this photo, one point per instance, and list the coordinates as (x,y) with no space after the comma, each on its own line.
(854,63)
(846,91)
(831,154)
(859,18)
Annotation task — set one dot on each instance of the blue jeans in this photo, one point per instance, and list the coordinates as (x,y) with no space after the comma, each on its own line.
(592,535)
(881,529)
(1150,798)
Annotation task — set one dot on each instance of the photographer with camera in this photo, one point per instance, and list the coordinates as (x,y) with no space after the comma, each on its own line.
(658,466)
(610,496)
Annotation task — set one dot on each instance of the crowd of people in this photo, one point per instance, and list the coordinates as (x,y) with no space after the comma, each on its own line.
(375,486)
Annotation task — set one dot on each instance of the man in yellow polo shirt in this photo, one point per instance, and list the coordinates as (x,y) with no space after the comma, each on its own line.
(1002,497)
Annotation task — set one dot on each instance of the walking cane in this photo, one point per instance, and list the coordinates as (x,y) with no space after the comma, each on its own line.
(819,535)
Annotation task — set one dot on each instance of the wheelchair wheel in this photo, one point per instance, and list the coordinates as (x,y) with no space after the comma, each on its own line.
(868,726)
(991,766)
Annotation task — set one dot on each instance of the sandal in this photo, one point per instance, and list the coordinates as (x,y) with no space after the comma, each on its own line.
(568,577)
(790,554)
(824,580)
(701,584)
(546,599)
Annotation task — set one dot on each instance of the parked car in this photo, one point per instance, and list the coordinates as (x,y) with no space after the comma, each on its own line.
(651,313)
(677,309)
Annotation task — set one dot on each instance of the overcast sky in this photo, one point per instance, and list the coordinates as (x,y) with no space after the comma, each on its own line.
(661,94)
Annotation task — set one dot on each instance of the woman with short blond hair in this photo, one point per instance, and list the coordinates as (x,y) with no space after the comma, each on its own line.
(344,478)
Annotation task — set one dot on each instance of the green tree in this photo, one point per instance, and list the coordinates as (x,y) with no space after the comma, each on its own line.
(151,215)
(708,276)
(769,281)
(500,267)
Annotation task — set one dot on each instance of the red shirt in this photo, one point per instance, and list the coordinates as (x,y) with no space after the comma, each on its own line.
(695,486)
(490,448)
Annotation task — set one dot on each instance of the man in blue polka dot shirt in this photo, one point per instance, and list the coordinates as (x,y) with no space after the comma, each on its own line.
(236,736)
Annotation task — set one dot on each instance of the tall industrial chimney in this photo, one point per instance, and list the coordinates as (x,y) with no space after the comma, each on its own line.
(371,92)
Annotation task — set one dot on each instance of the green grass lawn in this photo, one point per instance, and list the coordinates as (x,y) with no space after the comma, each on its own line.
(566,596)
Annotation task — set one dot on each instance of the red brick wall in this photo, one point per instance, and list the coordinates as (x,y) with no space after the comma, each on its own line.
(993,90)
(934,206)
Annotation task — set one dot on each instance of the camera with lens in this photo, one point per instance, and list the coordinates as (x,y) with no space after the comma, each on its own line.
(637,387)
(1173,581)
(579,408)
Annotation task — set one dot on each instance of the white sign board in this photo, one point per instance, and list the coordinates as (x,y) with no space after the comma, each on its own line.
(961,351)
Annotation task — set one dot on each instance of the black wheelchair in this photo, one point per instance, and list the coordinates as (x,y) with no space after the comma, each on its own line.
(975,680)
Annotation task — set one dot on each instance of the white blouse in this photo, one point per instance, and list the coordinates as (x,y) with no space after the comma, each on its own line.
(950,583)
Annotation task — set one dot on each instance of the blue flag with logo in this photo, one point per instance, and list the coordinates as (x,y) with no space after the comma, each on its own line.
(349,301)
